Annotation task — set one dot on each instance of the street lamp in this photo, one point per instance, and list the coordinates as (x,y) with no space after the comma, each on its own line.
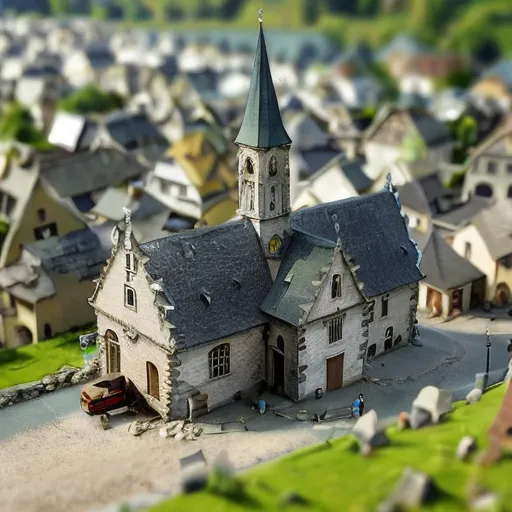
(488,346)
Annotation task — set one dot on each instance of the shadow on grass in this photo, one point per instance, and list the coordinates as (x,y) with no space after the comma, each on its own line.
(11,355)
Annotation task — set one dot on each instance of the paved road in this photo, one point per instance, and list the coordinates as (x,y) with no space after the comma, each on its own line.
(449,358)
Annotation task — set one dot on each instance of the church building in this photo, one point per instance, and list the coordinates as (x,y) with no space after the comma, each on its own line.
(297,300)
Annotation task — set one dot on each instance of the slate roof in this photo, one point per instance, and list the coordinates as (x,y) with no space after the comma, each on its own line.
(209,274)
(79,252)
(262,126)
(443,267)
(373,235)
(412,195)
(353,170)
(495,226)
(464,213)
(293,287)
(316,159)
(433,131)
(74,174)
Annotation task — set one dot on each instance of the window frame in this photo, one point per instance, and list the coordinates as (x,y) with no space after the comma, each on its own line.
(127,289)
(219,361)
(336,293)
(384,311)
(335,329)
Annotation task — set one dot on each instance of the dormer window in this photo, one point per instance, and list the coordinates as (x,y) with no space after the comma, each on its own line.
(336,286)
(130,298)
(272,169)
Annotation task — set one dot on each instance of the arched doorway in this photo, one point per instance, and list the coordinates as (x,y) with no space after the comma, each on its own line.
(152,380)
(113,351)
(47,331)
(484,190)
(24,335)
(503,296)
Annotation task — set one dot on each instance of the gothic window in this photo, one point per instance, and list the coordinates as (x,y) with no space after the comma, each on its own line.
(251,197)
(152,380)
(130,266)
(336,286)
(249,168)
(272,198)
(388,338)
(218,361)
(272,171)
(113,352)
(335,329)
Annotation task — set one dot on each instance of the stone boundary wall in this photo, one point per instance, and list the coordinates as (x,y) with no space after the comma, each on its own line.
(63,378)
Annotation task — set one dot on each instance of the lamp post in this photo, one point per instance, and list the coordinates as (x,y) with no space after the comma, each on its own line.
(488,346)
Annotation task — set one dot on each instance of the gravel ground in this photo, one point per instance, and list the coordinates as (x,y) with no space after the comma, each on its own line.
(62,468)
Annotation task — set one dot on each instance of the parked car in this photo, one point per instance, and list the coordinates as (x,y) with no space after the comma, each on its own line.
(106,393)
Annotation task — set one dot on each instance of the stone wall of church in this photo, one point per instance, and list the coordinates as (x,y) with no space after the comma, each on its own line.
(247,368)
(398,318)
(317,349)
(135,354)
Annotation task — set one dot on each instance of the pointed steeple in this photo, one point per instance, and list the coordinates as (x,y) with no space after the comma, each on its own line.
(262,126)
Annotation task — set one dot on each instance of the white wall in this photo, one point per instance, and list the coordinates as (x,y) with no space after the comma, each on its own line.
(398,317)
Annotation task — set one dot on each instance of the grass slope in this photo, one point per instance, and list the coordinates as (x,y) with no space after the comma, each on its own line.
(334,477)
(32,362)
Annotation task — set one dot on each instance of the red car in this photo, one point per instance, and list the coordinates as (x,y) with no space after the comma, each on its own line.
(106,393)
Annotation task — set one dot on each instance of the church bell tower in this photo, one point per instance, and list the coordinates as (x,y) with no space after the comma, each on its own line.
(263,160)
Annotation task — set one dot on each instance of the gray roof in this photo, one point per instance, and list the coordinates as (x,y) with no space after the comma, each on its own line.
(373,235)
(293,288)
(433,131)
(464,213)
(262,126)
(217,278)
(443,267)
(316,159)
(432,187)
(412,195)
(495,226)
(73,174)
(353,170)
(79,252)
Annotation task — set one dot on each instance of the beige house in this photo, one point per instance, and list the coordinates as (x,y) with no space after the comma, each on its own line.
(487,243)
(45,289)
(295,301)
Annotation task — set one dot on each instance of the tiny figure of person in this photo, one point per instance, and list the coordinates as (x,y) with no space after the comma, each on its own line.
(361,404)
(356,408)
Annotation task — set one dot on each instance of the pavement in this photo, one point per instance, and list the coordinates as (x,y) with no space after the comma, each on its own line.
(451,355)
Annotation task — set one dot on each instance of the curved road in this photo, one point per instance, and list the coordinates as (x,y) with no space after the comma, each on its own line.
(449,358)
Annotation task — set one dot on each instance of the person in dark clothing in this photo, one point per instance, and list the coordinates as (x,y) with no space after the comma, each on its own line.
(361,404)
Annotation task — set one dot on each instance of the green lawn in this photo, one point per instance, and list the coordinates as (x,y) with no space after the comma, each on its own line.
(335,477)
(32,362)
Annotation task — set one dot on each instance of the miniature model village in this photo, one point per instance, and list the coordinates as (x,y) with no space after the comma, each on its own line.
(206,235)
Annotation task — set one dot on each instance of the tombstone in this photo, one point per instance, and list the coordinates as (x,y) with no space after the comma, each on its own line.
(435,401)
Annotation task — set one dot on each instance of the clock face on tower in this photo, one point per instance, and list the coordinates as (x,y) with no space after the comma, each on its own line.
(274,245)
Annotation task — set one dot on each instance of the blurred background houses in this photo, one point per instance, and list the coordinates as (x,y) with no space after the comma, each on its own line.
(106,104)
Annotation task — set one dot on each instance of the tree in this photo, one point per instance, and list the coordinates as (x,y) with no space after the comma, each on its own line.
(90,100)
(311,10)
(459,78)
(367,7)
(59,7)
(17,124)
(130,9)
(413,148)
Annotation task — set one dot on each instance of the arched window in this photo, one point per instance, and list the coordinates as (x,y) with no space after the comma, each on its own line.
(130,299)
(384,303)
(336,286)
(272,198)
(113,351)
(372,350)
(218,361)
(388,338)
(249,167)
(272,168)
(152,380)
(280,343)
(484,190)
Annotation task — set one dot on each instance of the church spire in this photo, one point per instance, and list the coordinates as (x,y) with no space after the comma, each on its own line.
(262,126)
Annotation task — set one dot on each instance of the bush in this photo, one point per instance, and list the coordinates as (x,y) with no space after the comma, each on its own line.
(89,100)
(456,179)
(223,483)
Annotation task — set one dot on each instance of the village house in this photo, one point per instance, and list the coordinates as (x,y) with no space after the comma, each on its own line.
(496,83)
(44,291)
(409,135)
(486,242)
(489,170)
(297,301)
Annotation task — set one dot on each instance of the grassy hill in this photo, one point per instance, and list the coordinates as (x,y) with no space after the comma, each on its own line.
(333,473)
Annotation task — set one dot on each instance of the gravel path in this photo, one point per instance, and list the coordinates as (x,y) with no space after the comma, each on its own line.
(71,464)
